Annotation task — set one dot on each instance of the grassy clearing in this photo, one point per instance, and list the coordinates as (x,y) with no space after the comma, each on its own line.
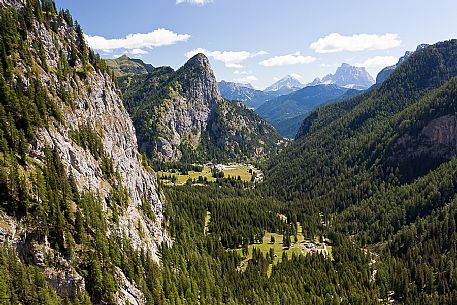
(277,246)
(182,179)
(229,171)
(207,220)
(298,247)
(238,170)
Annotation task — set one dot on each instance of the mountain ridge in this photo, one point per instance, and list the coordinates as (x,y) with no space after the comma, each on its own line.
(297,103)
(189,115)
(251,97)
(347,76)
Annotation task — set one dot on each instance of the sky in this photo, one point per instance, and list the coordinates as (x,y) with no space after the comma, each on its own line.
(261,41)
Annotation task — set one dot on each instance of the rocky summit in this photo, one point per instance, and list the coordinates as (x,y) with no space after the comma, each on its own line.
(182,115)
(347,76)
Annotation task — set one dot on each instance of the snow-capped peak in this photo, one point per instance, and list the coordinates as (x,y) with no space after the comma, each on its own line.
(287,83)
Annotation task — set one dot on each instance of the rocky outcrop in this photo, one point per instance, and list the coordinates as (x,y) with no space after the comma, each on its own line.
(128,293)
(97,104)
(185,117)
(434,143)
(172,109)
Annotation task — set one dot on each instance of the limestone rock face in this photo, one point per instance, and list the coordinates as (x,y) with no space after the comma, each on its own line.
(94,101)
(184,107)
(438,139)
(434,143)
(185,117)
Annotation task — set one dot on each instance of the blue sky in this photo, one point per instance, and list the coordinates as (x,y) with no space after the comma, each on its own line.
(263,40)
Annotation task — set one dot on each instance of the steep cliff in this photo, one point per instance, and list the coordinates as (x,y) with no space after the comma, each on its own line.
(181,115)
(65,130)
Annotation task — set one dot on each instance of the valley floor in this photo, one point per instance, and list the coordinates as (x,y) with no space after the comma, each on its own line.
(245,172)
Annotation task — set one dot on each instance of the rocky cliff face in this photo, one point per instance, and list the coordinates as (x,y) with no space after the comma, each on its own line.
(178,111)
(186,115)
(433,144)
(91,99)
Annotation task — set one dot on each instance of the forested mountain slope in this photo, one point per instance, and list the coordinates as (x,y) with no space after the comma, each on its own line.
(180,115)
(73,189)
(357,139)
(381,167)
(123,66)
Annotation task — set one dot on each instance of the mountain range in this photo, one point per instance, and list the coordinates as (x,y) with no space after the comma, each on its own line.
(285,103)
(347,76)
(246,93)
(297,104)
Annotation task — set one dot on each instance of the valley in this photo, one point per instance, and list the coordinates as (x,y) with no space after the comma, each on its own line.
(130,175)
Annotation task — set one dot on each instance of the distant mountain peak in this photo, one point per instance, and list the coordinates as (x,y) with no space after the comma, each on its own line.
(252,97)
(286,84)
(347,76)
(237,85)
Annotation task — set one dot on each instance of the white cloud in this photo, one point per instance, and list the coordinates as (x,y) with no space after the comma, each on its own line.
(238,72)
(156,38)
(360,42)
(231,59)
(289,59)
(234,66)
(378,61)
(138,52)
(246,79)
(200,2)
(260,53)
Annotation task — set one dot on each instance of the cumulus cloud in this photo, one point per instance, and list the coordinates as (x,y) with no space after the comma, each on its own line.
(286,60)
(246,79)
(260,53)
(231,59)
(156,38)
(138,52)
(378,61)
(361,42)
(200,2)
(238,72)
